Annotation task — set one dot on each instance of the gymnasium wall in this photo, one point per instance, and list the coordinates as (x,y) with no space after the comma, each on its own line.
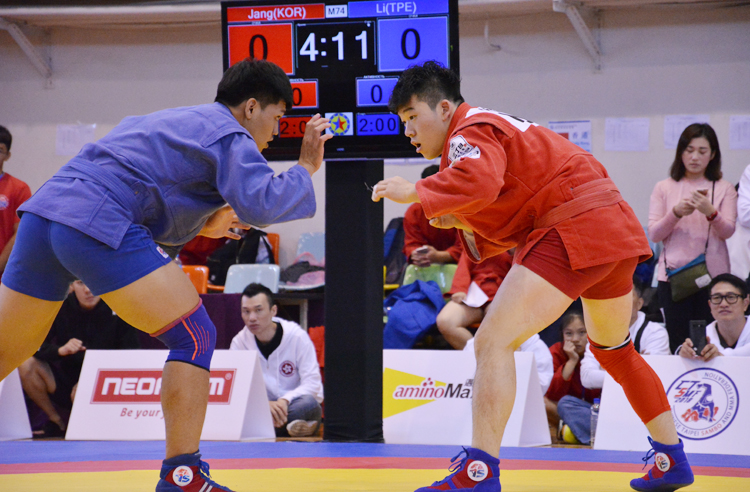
(657,62)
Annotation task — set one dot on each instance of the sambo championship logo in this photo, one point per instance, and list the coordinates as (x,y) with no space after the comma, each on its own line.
(704,403)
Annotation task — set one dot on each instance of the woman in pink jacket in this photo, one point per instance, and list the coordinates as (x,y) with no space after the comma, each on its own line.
(692,212)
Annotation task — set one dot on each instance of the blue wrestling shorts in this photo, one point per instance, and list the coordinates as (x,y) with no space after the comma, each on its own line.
(48,256)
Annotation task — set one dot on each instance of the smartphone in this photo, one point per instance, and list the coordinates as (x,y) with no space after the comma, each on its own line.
(698,334)
(422,249)
(703,192)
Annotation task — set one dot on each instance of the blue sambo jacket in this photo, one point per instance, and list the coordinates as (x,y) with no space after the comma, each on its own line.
(169,171)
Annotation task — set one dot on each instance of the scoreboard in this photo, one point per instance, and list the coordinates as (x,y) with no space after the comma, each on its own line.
(343,60)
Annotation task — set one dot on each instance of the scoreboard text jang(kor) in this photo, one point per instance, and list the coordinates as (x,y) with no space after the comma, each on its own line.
(343,59)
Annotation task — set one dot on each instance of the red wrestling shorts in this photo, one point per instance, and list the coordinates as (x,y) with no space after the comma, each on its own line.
(549,259)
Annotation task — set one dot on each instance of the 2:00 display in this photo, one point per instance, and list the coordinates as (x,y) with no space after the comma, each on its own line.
(377,124)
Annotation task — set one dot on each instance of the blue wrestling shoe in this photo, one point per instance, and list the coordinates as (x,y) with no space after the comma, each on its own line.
(187,473)
(671,469)
(477,472)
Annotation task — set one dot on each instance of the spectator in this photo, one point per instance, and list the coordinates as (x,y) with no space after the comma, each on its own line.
(424,244)
(568,402)
(692,212)
(460,312)
(739,243)
(290,367)
(51,375)
(729,335)
(648,337)
(13,192)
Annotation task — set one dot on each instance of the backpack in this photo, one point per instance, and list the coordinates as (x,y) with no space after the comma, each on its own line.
(238,251)
(393,251)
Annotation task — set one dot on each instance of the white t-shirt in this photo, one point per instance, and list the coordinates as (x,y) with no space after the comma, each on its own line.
(542,357)
(654,341)
(292,369)
(742,349)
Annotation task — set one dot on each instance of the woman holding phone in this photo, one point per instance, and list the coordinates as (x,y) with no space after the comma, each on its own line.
(692,212)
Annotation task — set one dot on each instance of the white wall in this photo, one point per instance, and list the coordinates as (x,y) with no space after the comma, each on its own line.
(692,60)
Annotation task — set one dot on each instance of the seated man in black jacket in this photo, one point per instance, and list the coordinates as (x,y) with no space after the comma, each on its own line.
(51,375)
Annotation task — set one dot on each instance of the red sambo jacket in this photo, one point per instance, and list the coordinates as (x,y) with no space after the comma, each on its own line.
(510,180)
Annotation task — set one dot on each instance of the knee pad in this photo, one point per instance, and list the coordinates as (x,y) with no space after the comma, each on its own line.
(642,386)
(191,338)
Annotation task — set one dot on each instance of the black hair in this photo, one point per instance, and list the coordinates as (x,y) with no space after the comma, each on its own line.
(733,280)
(251,78)
(638,286)
(430,170)
(5,137)
(254,289)
(430,82)
(697,130)
(569,317)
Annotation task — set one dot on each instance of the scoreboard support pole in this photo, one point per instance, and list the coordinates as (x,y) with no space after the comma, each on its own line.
(353,303)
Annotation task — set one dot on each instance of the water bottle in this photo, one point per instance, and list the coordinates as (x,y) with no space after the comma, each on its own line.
(594,419)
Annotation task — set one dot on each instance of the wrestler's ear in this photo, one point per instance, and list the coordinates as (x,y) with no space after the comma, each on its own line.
(444,109)
(250,105)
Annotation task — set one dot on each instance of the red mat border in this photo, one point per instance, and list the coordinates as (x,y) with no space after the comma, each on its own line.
(348,463)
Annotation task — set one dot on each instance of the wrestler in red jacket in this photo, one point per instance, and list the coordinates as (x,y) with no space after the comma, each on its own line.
(507,182)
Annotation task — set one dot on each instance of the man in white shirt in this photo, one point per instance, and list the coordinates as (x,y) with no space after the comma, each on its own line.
(729,335)
(290,367)
(649,338)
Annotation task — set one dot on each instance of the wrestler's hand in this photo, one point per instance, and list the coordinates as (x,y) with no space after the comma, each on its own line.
(221,222)
(311,152)
(448,221)
(458,297)
(397,189)
(702,203)
(684,207)
(73,346)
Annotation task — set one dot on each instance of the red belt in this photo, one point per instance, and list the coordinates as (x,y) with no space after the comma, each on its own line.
(594,194)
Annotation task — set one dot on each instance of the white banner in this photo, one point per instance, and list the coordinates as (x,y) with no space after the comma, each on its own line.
(14,419)
(709,403)
(118,397)
(427,399)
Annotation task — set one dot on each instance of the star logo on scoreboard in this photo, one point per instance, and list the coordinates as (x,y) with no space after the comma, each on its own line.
(341,124)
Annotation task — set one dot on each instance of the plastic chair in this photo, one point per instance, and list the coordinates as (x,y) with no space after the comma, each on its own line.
(198,274)
(239,276)
(440,274)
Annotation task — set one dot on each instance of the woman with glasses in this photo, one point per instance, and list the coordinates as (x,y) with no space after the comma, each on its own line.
(729,334)
(692,212)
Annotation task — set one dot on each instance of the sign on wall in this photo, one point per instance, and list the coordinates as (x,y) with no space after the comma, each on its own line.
(119,397)
(708,400)
(427,399)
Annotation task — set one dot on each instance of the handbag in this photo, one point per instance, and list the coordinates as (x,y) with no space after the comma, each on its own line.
(692,277)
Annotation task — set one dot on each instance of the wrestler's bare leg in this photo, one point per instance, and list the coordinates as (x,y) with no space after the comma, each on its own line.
(151,303)
(524,305)
(24,323)
(607,325)
(453,319)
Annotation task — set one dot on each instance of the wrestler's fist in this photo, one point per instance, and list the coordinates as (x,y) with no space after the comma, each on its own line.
(448,221)
(221,223)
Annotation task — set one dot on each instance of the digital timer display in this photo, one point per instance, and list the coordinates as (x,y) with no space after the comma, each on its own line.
(343,60)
